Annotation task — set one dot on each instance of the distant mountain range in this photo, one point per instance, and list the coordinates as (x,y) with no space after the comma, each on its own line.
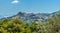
(31,17)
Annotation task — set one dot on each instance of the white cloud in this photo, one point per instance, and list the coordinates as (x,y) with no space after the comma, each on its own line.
(15,2)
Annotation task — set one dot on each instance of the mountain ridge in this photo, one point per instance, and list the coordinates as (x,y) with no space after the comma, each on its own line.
(40,17)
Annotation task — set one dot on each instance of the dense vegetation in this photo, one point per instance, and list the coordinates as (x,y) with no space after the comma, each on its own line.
(18,26)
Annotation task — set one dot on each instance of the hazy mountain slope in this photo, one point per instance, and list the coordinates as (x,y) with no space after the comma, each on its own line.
(55,14)
(40,17)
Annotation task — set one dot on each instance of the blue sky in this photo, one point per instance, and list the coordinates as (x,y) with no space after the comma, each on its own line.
(11,7)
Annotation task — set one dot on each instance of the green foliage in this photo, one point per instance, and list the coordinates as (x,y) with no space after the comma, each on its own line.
(18,26)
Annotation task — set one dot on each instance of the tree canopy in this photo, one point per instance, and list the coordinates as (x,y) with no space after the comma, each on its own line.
(18,26)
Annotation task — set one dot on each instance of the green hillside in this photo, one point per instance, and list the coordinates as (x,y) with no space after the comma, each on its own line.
(18,26)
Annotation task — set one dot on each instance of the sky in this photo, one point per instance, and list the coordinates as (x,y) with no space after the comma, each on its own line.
(12,7)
